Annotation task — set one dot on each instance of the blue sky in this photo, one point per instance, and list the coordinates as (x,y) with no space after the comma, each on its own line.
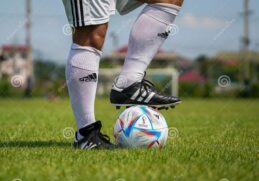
(204,27)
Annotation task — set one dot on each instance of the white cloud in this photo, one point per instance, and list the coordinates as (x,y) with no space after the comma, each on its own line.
(193,21)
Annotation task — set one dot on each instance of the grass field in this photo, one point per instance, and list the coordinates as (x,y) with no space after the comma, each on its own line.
(209,140)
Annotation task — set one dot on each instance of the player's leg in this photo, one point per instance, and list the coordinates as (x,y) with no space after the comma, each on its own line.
(91,36)
(82,71)
(90,25)
(149,32)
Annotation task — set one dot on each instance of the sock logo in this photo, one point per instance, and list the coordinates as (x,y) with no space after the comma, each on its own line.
(164,35)
(89,78)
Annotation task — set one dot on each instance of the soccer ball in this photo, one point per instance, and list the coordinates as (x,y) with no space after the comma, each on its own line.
(141,126)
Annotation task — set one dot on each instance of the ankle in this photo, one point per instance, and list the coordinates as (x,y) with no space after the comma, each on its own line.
(125,80)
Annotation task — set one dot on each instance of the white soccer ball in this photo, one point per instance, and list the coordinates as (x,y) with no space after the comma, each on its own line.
(141,126)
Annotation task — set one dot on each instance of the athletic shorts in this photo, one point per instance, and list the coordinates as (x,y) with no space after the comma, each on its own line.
(89,12)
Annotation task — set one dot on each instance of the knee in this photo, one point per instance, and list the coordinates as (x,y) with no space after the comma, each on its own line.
(97,37)
(93,36)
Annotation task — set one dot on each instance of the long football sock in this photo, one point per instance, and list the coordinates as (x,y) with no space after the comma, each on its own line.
(149,32)
(81,77)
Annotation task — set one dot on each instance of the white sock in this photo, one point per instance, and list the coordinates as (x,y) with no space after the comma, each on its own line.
(81,77)
(147,35)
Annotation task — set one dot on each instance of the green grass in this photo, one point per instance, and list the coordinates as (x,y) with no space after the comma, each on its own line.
(216,140)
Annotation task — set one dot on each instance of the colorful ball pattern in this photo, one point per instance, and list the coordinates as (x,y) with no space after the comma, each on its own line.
(141,126)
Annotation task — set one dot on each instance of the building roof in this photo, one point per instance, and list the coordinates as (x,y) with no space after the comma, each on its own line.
(166,58)
(161,54)
(124,49)
(17,48)
(192,76)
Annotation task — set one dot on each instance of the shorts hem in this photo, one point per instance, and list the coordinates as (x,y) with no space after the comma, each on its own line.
(95,21)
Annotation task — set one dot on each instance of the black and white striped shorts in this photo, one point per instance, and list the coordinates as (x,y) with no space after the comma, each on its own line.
(88,12)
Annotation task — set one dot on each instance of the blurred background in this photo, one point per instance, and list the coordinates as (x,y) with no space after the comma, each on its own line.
(213,50)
